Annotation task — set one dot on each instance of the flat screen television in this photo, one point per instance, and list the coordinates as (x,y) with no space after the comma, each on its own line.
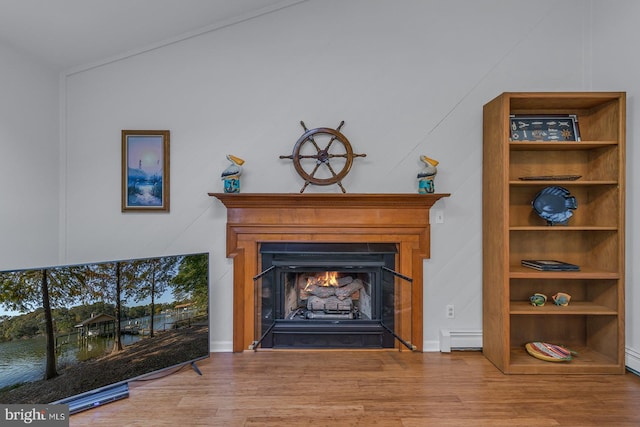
(70,332)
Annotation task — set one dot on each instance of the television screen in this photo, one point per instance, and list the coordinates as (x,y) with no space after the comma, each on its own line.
(66,331)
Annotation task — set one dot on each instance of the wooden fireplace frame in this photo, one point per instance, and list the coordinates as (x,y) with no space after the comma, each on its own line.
(253,218)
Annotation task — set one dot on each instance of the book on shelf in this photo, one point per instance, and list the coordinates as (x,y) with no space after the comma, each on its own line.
(549,265)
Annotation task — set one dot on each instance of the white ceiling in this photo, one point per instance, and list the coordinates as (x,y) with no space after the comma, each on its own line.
(70,33)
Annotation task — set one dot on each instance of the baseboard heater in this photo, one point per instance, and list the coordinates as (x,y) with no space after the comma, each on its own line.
(460,340)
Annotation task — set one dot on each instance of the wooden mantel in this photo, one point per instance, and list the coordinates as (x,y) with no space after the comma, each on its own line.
(253,218)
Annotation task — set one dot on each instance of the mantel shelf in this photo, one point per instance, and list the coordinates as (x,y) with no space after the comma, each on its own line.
(335,200)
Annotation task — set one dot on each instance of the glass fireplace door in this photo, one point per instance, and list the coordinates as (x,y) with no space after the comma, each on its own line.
(301,304)
(396,306)
(265,296)
(326,295)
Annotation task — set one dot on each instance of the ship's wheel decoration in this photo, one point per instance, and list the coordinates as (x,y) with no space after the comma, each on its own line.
(322,166)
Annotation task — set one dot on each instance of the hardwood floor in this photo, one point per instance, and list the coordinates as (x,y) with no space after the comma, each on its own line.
(368,388)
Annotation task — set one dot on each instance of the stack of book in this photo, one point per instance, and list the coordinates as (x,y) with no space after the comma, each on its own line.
(549,265)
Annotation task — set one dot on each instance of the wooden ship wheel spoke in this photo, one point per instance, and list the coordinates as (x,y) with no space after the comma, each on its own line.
(307,154)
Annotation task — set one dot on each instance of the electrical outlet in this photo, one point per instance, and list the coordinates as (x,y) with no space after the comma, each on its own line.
(450,312)
(439,216)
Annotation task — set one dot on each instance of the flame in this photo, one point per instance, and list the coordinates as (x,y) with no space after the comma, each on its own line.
(328,278)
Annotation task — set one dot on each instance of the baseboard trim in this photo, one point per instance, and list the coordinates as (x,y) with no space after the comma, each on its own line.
(220,346)
(430,346)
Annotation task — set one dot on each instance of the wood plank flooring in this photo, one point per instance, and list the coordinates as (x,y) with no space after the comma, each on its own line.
(368,388)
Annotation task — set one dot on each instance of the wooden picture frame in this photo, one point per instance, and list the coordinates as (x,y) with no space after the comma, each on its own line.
(145,170)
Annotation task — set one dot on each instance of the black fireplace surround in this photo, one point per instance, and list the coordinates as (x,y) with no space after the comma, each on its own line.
(327,295)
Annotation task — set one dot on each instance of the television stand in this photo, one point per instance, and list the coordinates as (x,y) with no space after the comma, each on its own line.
(195,368)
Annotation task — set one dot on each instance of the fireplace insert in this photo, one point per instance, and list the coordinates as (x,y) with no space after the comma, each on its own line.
(330,295)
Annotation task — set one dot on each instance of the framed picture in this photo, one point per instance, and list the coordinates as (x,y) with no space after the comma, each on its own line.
(145,170)
(556,128)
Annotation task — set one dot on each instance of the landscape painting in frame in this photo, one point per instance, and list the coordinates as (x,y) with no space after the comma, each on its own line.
(145,170)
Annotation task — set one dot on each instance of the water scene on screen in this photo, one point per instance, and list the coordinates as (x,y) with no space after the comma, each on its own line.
(69,329)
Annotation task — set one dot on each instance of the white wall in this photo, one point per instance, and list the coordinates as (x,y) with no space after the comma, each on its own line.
(29,164)
(615,33)
(408,78)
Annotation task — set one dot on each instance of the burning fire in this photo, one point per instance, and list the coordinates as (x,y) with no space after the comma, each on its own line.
(328,278)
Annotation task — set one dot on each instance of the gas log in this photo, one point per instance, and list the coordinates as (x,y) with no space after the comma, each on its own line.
(331,303)
(349,289)
(336,297)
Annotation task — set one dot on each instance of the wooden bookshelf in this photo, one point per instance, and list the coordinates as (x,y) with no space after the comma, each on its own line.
(593,238)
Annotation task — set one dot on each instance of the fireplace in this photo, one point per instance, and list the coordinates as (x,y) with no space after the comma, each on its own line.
(258,219)
(328,295)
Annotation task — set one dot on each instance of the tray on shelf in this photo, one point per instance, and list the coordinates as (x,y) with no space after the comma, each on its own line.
(550,178)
